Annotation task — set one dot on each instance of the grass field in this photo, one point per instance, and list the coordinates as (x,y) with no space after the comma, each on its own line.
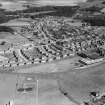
(77,84)
(48,93)
(80,83)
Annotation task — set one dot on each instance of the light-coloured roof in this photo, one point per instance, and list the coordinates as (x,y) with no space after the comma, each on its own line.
(2,58)
(103,10)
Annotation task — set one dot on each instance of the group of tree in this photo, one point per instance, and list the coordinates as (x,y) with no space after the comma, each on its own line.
(91,9)
(98,20)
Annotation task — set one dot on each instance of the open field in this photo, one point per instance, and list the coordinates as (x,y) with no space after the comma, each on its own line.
(56,66)
(48,90)
(80,83)
(12,6)
(77,84)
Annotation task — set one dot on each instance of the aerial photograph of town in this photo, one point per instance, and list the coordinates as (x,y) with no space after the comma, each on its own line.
(52,52)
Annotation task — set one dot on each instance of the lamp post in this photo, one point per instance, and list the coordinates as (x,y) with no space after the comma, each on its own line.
(37,92)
